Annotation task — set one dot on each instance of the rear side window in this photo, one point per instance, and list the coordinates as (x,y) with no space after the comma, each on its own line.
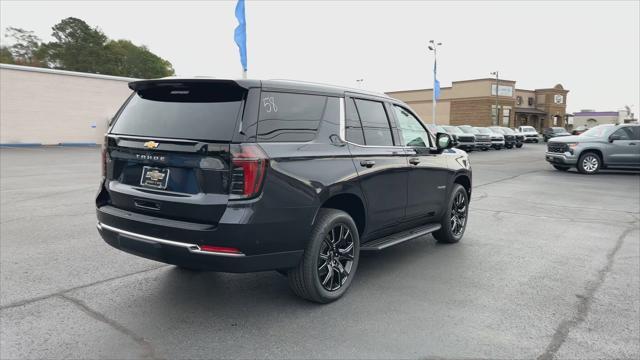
(375,123)
(353,126)
(636,132)
(625,133)
(196,111)
(287,117)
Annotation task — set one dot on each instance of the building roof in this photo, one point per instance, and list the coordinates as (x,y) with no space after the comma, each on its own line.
(596,113)
(64,72)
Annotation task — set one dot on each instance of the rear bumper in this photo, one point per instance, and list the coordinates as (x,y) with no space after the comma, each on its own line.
(179,243)
(561,158)
(190,255)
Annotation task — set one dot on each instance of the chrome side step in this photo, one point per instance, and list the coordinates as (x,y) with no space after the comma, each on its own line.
(394,239)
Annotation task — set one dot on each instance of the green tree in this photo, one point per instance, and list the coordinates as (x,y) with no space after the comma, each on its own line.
(5,55)
(26,47)
(126,59)
(78,47)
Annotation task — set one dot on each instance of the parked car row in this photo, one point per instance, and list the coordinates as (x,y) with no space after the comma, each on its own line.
(469,138)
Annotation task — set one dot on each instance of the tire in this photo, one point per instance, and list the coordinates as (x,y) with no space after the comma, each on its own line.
(518,146)
(589,163)
(308,280)
(485,148)
(509,146)
(536,140)
(448,233)
(561,168)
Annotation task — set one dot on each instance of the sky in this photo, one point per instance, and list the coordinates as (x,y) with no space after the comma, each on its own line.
(592,48)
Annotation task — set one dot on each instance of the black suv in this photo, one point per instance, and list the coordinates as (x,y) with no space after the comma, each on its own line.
(248,175)
(552,132)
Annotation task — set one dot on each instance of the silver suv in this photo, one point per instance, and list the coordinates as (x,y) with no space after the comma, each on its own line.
(603,146)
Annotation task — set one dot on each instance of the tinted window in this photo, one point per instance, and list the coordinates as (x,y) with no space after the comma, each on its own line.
(286,117)
(636,132)
(375,124)
(353,130)
(184,111)
(624,133)
(411,130)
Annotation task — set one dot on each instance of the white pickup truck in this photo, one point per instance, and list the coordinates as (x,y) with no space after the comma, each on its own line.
(530,134)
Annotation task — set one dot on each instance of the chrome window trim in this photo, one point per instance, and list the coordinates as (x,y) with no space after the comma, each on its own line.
(193,248)
(343,127)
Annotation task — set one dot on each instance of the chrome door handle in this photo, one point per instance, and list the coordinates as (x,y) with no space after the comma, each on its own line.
(414,161)
(367,163)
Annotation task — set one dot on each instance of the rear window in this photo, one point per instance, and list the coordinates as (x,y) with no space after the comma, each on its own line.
(196,111)
(288,117)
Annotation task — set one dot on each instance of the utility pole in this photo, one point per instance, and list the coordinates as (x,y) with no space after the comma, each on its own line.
(497,123)
(433,46)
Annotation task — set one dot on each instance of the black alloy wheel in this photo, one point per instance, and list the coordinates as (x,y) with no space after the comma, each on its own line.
(330,258)
(454,221)
(336,257)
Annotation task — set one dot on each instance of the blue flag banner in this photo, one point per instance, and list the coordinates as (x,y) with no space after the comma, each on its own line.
(240,34)
(436,84)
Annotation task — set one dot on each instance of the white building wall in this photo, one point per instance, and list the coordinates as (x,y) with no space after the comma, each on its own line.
(53,106)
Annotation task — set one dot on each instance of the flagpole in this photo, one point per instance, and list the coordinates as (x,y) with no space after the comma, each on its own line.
(433,47)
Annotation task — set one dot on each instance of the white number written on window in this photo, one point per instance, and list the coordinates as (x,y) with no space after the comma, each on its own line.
(270,104)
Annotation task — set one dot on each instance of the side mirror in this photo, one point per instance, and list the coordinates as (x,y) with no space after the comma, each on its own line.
(443,141)
(614,137)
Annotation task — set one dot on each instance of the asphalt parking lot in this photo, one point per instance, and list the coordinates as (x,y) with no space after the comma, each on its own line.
(549,268)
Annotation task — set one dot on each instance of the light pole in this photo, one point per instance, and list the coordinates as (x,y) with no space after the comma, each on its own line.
(497,123)
(433,46)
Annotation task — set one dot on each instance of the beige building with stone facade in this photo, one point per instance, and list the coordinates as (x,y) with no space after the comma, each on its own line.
(473,102)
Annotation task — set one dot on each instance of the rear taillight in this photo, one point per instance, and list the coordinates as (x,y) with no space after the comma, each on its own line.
(248,166)
(105,145)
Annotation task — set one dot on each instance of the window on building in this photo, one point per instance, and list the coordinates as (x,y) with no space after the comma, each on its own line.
(375,123)
(412,132)
(494,115)
(506,115)
(518,100)
(530,101)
